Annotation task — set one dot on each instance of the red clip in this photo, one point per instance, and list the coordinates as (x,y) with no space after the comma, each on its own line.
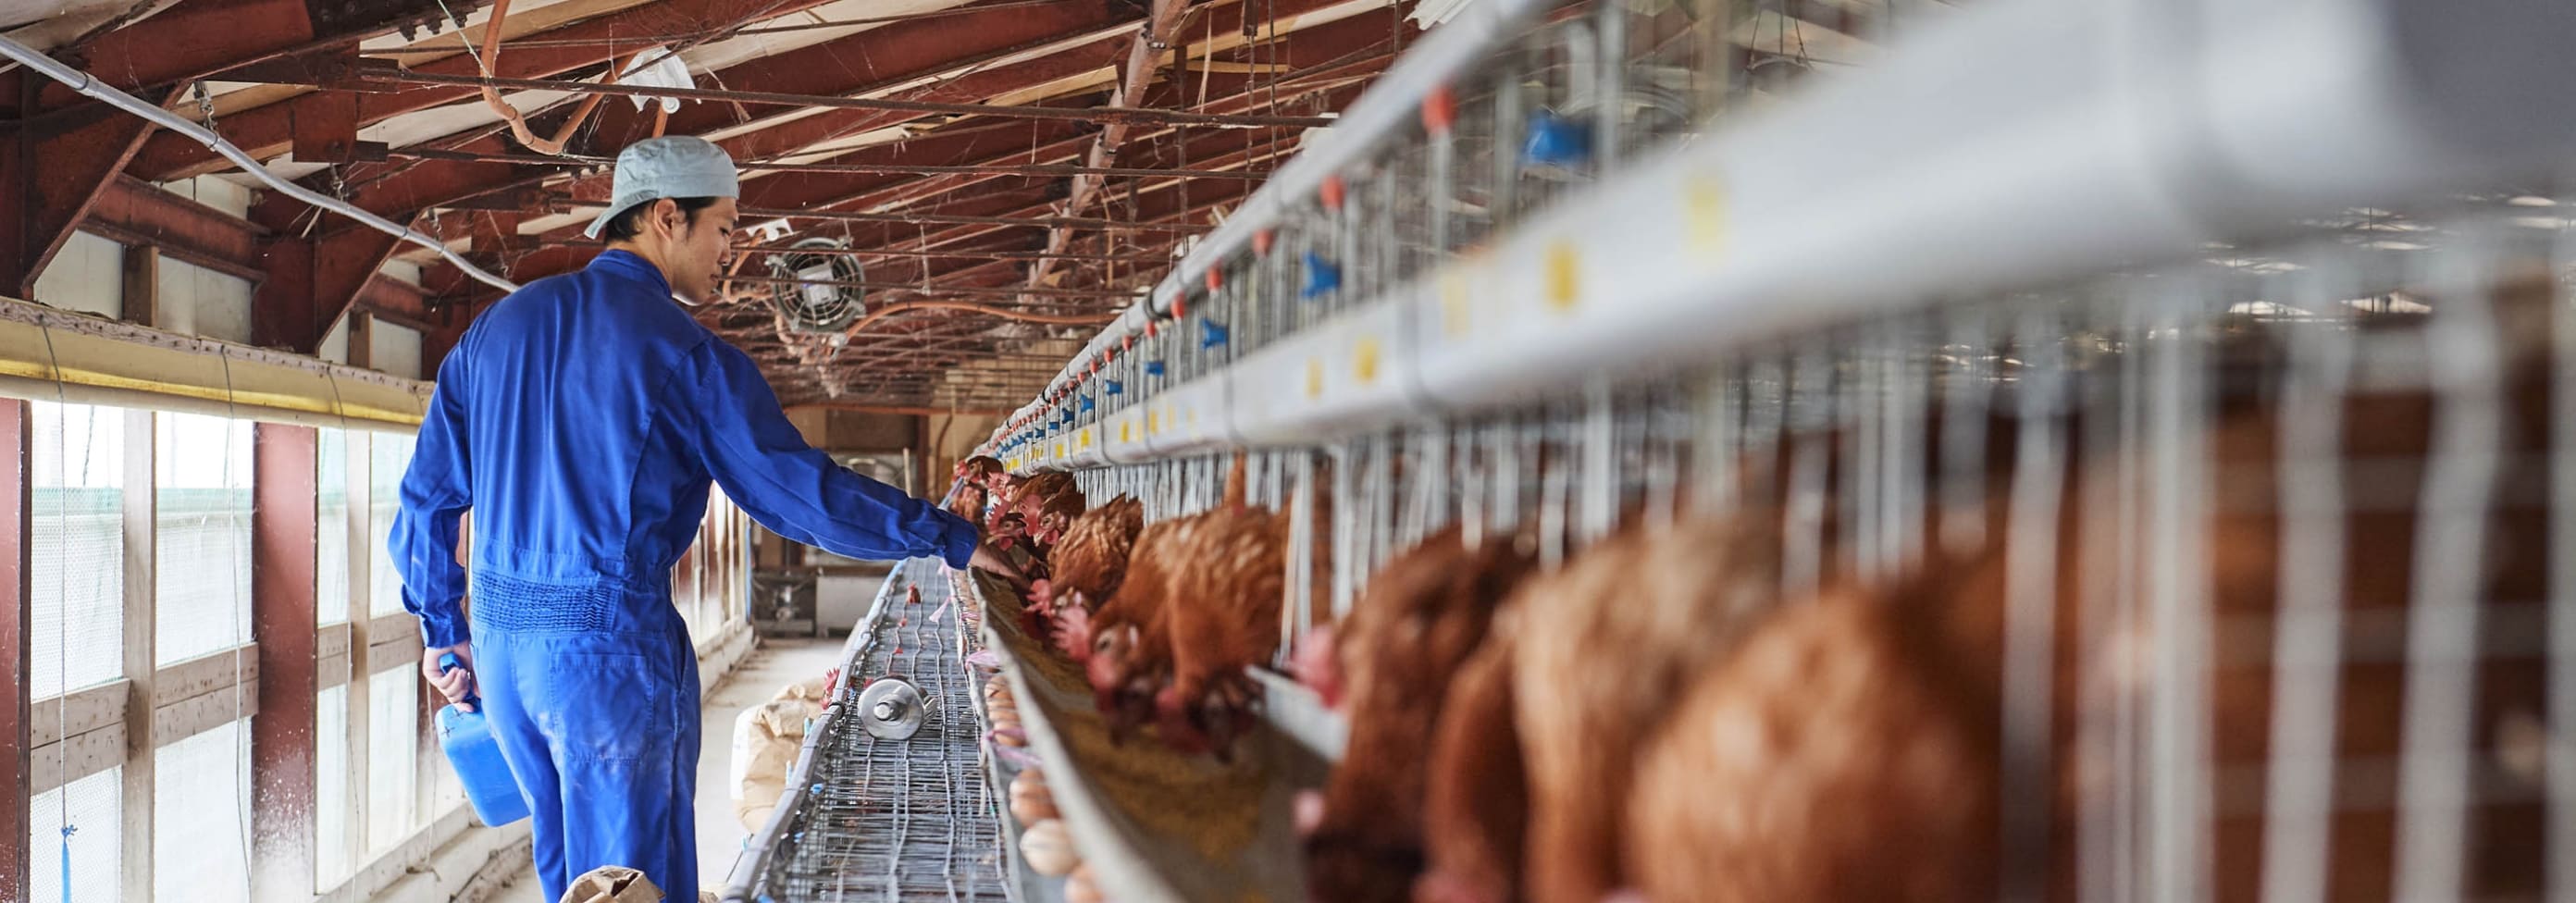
(1128,341)
(1439,110)
(1180,306)
(1333,192)
(1215,280)
(1262,240)
(1150,329)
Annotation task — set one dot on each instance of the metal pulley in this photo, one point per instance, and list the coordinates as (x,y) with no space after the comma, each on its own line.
(893,709)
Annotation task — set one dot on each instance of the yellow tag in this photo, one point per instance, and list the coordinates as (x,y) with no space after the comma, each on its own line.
(1314,377)
(1564,276)
(1126,431)
(1455,318)
(1704,205)
(1364,361)
(1085,442)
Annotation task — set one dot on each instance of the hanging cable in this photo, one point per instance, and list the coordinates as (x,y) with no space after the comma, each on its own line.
(62,620)
(232,540)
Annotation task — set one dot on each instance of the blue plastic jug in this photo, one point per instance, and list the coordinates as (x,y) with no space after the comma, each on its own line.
(467,738)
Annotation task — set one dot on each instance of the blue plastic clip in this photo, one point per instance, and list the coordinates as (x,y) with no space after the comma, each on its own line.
(1559,141)
(1153,368)
(1322,276)
(1112,387)
(1086,404)
(1211,334)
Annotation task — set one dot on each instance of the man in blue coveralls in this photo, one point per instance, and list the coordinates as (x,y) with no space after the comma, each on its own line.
(581,420)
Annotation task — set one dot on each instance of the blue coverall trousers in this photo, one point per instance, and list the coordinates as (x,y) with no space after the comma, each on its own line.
(600,726)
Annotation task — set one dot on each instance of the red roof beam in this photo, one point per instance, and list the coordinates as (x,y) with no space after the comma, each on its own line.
(135,213)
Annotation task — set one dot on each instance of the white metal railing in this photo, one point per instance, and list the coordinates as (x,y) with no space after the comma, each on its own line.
(2014,143)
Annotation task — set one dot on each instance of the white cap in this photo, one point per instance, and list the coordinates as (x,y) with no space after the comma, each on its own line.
(672,166)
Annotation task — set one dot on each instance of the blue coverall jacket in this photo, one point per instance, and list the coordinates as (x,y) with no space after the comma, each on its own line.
(581,420)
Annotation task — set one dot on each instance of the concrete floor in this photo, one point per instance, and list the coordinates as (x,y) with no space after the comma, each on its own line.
(775,664)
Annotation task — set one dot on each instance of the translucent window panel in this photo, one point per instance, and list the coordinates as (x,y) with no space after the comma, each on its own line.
(393,757)
(389,455)
(201,534)
(331,787)
(201,817)
(331,526)
(93,805)
(78,547)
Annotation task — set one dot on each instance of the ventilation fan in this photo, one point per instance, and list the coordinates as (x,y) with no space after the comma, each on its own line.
(806,298)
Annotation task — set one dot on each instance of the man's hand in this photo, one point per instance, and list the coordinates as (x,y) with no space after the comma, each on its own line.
(991,560)
(456,684)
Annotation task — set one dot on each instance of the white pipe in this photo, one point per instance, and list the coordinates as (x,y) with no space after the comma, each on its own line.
(2019,143)
(81,81)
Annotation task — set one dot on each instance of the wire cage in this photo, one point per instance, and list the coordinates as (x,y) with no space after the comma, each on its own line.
(872,819)
(2276,534)
(2225,514)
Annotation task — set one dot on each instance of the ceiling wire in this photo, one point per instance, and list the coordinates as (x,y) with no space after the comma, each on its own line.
(468,42)
(84,83)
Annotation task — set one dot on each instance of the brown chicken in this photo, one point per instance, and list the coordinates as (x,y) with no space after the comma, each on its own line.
(1606,647)
(1422,616)
(976,478)
(1046,504)
(1216,578)
(1848,750)
(1833,756)
(979,469)
(969,501)
(1224,617)
(1088,567)
(1128,652)
(1475,806)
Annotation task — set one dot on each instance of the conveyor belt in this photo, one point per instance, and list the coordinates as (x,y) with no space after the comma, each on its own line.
(909,820)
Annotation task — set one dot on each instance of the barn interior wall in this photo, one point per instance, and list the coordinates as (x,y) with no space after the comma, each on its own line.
(87,276)
(395,348)
(201,302)
(335,344)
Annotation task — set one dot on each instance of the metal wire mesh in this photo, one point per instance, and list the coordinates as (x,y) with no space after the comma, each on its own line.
(2290,497)
(898,820)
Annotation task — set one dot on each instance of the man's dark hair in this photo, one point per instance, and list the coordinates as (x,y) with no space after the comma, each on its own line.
(630,222)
